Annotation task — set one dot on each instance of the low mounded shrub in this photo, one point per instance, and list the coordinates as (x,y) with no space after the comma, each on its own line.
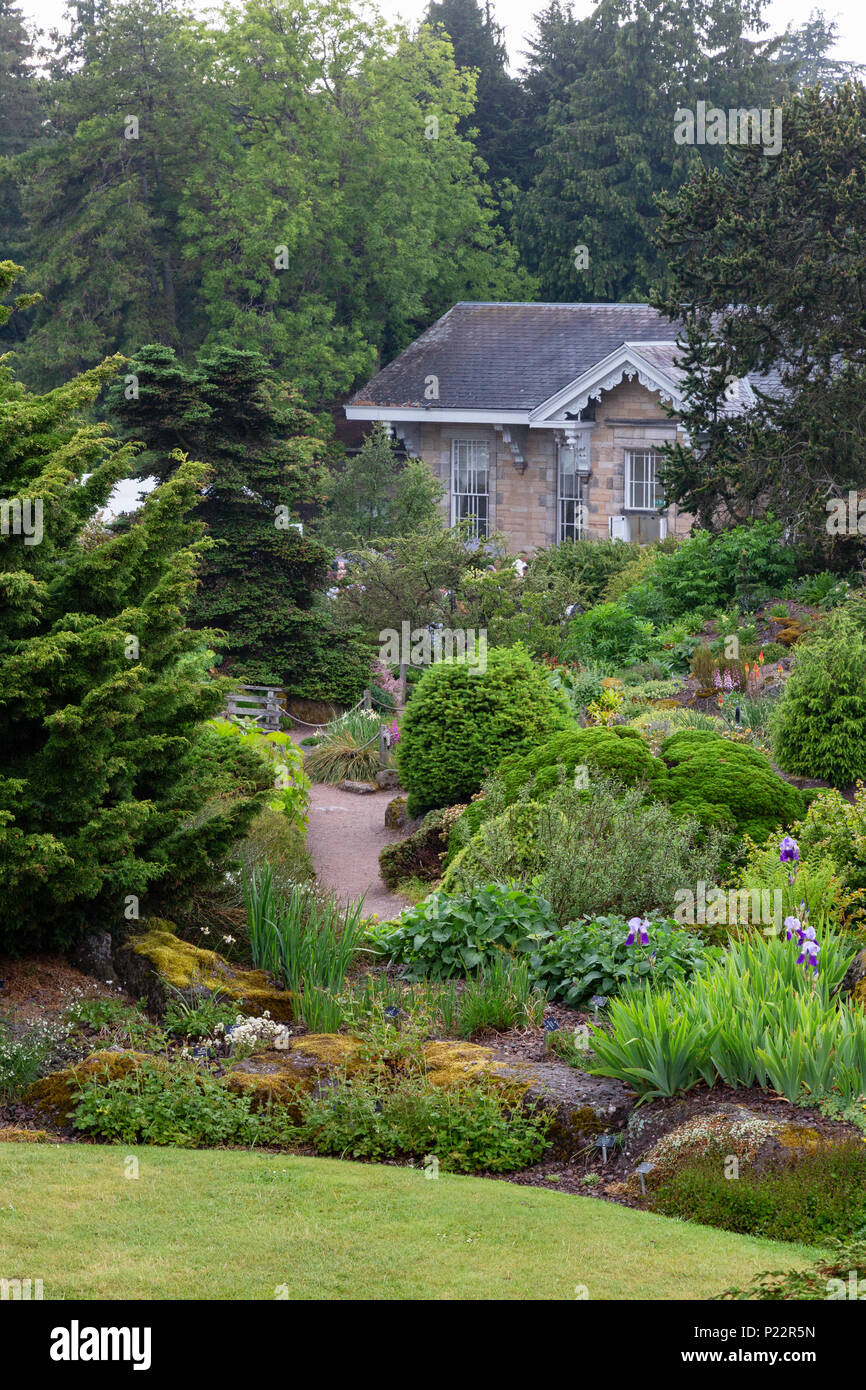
(606,849)
(725,783)
(618,753)
(821,1195)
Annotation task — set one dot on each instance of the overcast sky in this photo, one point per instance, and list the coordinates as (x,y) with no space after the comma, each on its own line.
(516,16)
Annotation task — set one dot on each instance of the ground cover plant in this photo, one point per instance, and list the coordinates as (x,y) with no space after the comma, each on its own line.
(453,934)
(601,956)
(820,1195)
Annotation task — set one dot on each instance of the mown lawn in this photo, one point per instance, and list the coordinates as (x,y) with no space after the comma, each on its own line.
(236,1225)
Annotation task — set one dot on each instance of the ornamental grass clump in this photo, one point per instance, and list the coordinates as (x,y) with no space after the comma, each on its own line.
(348,750)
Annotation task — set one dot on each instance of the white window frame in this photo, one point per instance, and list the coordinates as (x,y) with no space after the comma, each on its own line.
(473,456)
(569,497)
(638,494)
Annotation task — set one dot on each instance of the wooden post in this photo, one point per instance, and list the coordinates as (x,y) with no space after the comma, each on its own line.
(368,701)
(383,746)
(403,682)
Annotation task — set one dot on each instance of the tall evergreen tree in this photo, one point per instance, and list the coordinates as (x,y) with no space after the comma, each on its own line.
(104,769)
(806,52)
(266,457)
(555,59)
(588,221)
(767,267)
(478,43)
(20,117)
(126,105)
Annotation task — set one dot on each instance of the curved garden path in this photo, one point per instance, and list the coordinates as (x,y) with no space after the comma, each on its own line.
(344,836)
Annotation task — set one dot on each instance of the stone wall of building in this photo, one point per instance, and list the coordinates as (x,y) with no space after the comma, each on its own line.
(523,502)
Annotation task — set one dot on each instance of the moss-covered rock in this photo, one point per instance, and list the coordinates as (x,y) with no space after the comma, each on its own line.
(147,964)
(754,1138)
(53,1096)
(280,1077)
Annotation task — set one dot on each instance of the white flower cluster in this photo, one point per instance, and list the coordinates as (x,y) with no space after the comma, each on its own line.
(257,1033)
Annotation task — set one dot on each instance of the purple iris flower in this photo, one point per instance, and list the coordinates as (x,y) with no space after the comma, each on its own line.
(637,928)
(792,925)
(789,850)
(809,955)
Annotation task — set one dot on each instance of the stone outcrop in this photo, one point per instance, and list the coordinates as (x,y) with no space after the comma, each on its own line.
(582,1106)
(53,1096)
(854,982)
(150,963)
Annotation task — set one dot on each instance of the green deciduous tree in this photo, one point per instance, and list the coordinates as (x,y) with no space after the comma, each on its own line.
(379,494)
(105,795)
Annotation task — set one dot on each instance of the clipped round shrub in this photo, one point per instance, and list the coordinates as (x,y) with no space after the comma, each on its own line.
(720,782)
(817,726)
(619,753)
(463,721)
(608,633)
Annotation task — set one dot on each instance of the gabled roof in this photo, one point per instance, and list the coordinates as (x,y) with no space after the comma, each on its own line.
(508,356)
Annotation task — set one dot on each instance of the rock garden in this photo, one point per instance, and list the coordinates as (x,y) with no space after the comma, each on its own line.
(622,955)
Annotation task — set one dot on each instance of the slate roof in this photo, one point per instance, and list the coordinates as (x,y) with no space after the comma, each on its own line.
(508,356)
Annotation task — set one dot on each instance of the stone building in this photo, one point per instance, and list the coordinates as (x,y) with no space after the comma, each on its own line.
(543,421)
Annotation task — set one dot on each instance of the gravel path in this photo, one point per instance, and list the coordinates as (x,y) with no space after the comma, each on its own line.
(344,836)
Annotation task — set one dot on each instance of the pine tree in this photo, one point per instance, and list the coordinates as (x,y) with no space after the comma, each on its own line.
(125,98)
(106,777)
(478,43)
(806,52)
(266,454)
